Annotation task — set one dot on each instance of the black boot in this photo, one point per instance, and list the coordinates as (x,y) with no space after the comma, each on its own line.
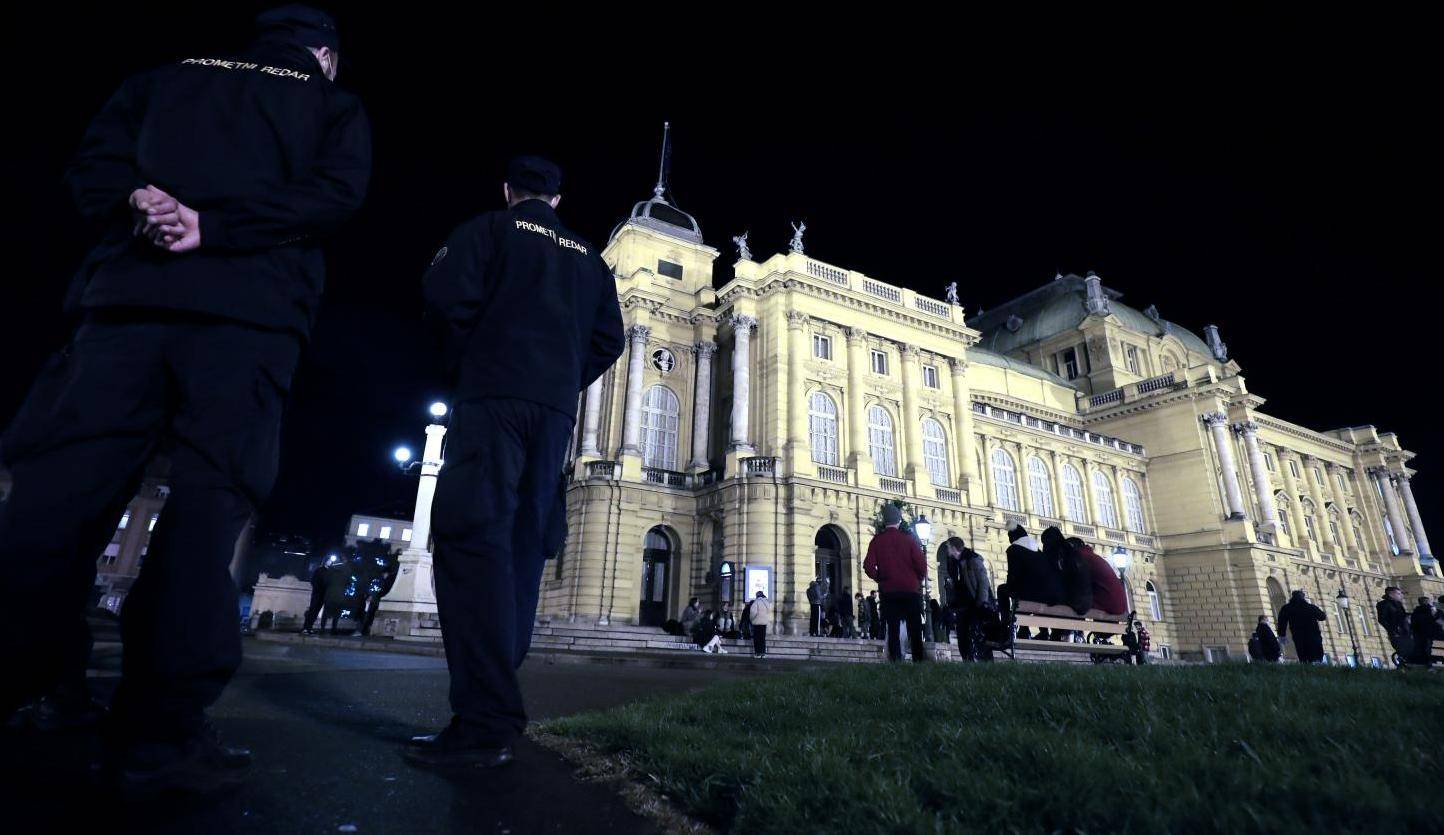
(59,711)
(198,764)
(456,746)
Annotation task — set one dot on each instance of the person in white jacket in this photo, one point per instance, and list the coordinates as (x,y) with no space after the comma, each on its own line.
(761,618)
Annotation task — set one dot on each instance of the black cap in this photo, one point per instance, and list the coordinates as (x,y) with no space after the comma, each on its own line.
(310,26)
(534,175)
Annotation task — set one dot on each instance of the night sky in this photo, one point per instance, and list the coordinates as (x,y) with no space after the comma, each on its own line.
(1281,184)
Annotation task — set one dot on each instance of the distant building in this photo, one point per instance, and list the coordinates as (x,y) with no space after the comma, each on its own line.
(119,564)
(369,528)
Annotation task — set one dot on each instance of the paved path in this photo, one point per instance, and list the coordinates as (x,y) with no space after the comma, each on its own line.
(326,725)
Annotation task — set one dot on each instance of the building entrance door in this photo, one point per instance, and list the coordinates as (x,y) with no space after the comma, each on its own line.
(830,564)
(656,559)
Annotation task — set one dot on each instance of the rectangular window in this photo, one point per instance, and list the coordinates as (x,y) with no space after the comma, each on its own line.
(1130,356)
(669,269)
(1294,468)
(1070,364)
(112,552)
(1269,461)
(930,376)
(363,529)
(1319,477)
(406,535)
(385,533)
(1343,485)
(124,520)
(879,362)
(822,346)
(154,517)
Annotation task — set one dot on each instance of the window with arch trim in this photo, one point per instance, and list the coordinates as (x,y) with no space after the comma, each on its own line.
(1075,505)
(880,441)
(1310,526)
(660,421)
(1103,496)
(1334,527)
(1357,522)
(1155,602)
(1040,484)
(1389,535)
(822,427)
(1132,505)
(1005,481)
(935,452)
(1281,508)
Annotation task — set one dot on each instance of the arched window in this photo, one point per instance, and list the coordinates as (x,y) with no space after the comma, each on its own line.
(1075,506)
(659,428)
(822,425)
(1005,481)
(1103,495)
(1132,506)
(1155,603)
(1357,522)
(1040,484)
(1310,526)
(880,441)
(935,452)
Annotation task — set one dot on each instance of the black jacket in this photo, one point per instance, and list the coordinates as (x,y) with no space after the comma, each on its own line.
(522,308)
(1392,617)
(269,153)
(1303,619)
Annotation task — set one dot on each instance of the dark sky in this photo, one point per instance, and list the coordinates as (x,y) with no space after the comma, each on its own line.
(1280,183)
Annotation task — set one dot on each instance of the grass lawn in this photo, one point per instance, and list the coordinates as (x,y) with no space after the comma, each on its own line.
(1043,748)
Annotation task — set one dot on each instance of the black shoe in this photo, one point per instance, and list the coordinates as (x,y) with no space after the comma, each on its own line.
(455,747)
(58,713)
(199,765)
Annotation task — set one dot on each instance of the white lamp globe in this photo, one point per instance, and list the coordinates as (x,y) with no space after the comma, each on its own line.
(438,409)
(402,455)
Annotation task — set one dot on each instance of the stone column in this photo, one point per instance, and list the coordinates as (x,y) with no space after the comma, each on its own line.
(742,326)
(1089,508)
(1025,489)
(915,467)
(702,406)
(1060,509)
(1218,424)
(1296,504)
(1263,489)
(1332,473)
(632,433)
(967,444)
(413,594)
(1321,511)
(856,402)
(1415,521)
(426,488)
(592,421)
(798,443)
(1391,507)
(1120,506)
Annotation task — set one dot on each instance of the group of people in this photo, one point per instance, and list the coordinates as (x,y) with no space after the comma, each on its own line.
(350,586)
(1411,634)
(213,182)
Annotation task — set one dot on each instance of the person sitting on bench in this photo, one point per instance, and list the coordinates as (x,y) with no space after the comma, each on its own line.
(1108,593)
(1030,576)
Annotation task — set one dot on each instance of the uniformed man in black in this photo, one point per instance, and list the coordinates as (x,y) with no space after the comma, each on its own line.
(527,316)
(212,181)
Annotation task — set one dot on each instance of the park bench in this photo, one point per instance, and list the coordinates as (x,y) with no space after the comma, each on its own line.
(1096,625)
(1436,657)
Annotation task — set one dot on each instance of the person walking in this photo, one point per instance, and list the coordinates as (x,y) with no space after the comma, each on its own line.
(378,585)
(1394,618)
(761,609)
(1425,630)
(318,597)
(1263,645)
(814,604)
(971,599)
(213,181)
(864,623)
(895,560)
(1303,618)
(526,316)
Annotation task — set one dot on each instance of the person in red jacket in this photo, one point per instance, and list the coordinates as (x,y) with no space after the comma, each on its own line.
(895,561)
(1108,594)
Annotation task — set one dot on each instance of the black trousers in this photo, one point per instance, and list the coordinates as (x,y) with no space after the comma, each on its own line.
(208,393)
(759,639)
(318,599)
(814,620)
(903,607)
(495,500)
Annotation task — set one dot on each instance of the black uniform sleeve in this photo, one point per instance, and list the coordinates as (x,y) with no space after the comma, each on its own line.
(608,341)
(104,171)
(313,204)
(454,288)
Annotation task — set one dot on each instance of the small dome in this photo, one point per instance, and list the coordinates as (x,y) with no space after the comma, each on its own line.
(663,217)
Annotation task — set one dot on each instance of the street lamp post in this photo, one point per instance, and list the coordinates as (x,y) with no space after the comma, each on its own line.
(414,594)
(1343,600)
(1121,560)
(923,529)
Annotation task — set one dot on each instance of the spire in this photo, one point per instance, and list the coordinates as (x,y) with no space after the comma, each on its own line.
(664,168)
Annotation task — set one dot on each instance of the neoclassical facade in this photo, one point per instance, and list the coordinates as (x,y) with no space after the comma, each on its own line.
(760,425)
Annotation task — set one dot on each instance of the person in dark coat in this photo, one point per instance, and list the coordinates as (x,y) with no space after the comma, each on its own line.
(340,588)
(1076,576)
(895,560)
(1303,618)
(970,598)
(1031,576)
(874,617)
(845,613)
(1108,592)
(814,606)
(1425,630)
(212,182)
(1394,619)
(1264,645)
(381,572)
(318,598)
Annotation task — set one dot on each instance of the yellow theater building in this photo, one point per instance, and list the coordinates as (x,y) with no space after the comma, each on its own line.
(750,432)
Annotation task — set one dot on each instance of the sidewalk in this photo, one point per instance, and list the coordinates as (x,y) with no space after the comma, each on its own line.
(326,723)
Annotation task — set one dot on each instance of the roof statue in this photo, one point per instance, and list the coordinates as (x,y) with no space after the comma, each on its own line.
(743,253)
(796,245)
